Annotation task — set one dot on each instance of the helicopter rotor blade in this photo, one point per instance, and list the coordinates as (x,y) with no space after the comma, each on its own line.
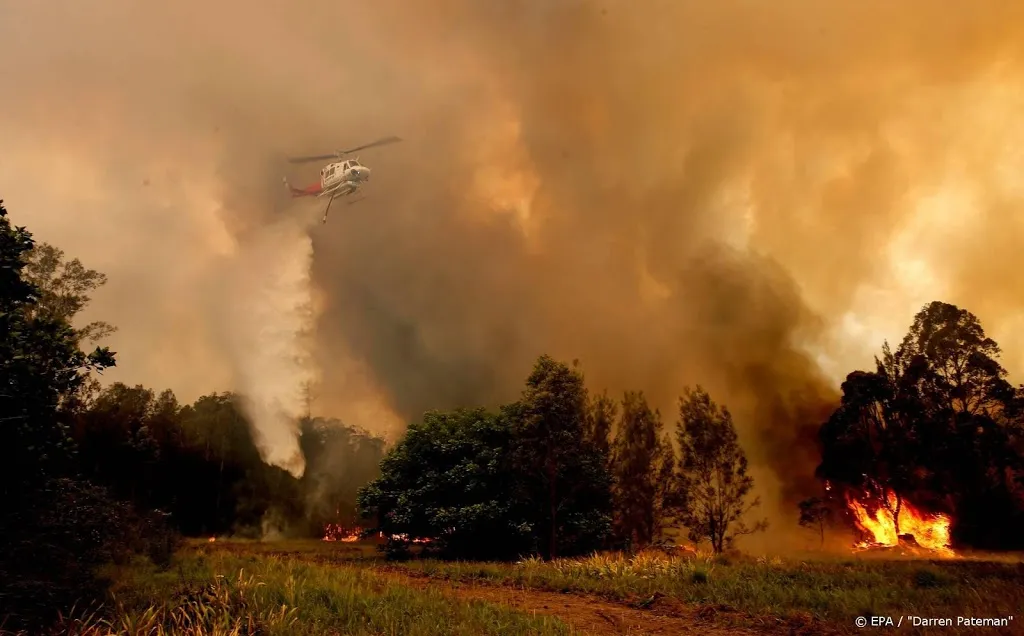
(340,153)
(373,144)
(312,158)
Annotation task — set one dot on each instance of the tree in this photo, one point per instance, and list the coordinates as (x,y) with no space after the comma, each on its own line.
(44,565)
(952,364)
(869,443)
(499,485)
(451,480)
(936,422)
(559,465)
(639,460)
(64,288)
(600,417)
(815,515)
(41,367)
(712,480)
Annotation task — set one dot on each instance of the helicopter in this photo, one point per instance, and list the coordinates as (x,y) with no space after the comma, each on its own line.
(339,178)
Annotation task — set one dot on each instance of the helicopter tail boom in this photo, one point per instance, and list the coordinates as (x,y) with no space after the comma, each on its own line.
(310,191)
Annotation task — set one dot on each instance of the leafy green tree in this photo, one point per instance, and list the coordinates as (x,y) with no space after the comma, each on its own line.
(560,465)
(712,481)
(483,485)
(640,459)
(451,480)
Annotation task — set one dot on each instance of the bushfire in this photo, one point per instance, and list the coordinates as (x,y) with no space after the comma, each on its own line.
(895,522)
(338,532)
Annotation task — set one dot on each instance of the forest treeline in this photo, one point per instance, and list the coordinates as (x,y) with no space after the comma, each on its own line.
(93,474)
(563,472)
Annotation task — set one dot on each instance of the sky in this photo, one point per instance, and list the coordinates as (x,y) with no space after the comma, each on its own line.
(749,196)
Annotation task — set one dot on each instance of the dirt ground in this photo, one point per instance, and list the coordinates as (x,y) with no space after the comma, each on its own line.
(600,617)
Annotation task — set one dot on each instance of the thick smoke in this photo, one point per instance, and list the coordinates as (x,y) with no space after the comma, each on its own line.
(749,197)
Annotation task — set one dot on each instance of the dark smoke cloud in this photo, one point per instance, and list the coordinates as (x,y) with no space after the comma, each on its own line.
(750,197)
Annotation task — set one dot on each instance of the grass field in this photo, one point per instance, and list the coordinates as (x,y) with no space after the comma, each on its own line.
(224,592)
(837,590)
(311,587)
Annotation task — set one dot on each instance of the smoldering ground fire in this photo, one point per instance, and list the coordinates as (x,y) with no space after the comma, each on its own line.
(672,193)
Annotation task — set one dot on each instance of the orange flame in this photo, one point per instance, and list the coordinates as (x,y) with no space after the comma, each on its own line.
(212,539)
(405,537)
(337,532)
(930,531)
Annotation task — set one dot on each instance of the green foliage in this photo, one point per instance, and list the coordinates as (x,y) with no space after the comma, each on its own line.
(499,485)
(642,460)
(451,480)
(557,462)
(713,483)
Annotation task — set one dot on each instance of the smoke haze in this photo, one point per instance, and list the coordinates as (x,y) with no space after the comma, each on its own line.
(750,196)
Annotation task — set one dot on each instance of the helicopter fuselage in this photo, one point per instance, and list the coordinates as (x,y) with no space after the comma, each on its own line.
(342,177)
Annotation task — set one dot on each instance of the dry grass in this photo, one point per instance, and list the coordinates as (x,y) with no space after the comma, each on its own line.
(225,594)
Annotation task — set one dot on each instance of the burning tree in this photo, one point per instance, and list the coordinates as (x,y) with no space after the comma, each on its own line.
(894,522)
(934,424)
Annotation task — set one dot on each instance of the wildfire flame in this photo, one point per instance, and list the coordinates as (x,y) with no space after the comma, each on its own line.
(930,531)
(212,539)
(338,532)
